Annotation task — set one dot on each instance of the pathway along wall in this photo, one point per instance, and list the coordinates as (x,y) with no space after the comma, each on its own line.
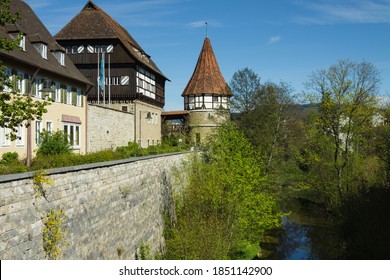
(110,208)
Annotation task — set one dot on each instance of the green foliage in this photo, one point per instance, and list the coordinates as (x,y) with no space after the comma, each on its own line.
(346,93)
(54,235)
(40,183)
(9,158)
(144,252)
(71,159)
(54,144)
(225,203)
(131,150)
(245,85)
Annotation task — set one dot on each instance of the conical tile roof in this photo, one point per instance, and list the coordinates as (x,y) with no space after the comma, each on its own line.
(94,23)
(207,77)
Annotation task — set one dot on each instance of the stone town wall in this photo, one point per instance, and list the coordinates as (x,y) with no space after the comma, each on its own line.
(110,208)
(108,128)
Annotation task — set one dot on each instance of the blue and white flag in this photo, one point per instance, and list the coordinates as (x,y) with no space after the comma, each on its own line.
(101,74)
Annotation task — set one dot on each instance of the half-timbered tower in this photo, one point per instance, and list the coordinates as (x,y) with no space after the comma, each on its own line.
(207,95)
(125,76)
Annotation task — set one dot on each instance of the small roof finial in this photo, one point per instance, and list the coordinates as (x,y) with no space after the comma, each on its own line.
(206,29)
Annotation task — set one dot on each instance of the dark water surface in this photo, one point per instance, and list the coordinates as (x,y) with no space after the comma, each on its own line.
(309,232)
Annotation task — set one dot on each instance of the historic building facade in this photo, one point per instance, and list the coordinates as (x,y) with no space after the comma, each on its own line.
(40,68)
(206,96)
(124,75)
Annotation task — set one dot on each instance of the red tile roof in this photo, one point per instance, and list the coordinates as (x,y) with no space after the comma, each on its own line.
(207,77)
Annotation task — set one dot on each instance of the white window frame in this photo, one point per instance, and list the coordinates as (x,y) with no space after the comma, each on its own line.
(43,49)
(79,102)
(38,133)
(58,93)
(71,130)
(38,87)
(22,42)
(69,95)
(49,126)
(20,141)
(5,141)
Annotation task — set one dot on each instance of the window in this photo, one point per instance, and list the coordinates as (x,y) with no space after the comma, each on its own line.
(68,95)
(74,49)
(8,73)
(60,56)
(38,132)
(58,93)
(49,126)
(22,42)
(124,108)
(20,136)
(21,83)
(72,131)
(4,139)
(146,83)
(38,88)
(42,49)
(79,101)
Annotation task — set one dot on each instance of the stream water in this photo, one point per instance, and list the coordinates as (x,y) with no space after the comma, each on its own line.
(309,233)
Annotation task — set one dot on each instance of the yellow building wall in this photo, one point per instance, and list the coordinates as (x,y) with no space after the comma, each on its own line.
(54,115)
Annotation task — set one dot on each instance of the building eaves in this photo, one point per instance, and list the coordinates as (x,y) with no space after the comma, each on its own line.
(30,24)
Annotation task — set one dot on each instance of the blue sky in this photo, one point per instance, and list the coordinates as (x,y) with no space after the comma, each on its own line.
(281,40)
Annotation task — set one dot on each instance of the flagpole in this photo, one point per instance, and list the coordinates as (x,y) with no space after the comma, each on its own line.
(98,79)
(109,80)
(104,80)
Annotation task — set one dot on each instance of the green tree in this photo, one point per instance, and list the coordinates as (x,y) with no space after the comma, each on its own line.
(15,109)
(267,124)
(225,204)
(245,85)
(346,94)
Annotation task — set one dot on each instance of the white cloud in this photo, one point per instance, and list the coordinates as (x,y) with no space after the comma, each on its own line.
(352,11)
(196,24)
(203,23)
(274,39)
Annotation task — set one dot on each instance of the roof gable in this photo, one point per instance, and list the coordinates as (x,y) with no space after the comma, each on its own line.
(207,77)
(93,23)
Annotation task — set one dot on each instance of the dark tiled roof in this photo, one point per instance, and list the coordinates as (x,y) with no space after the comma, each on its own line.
(93,23)
(35,31)
(207,77)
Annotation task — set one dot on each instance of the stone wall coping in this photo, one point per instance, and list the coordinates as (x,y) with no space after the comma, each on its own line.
(77,168)
(108,108)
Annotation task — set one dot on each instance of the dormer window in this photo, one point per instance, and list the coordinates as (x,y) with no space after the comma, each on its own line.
(22,42)
(21,38)
(42,49)
(15,32)
(39,44)
(60,56)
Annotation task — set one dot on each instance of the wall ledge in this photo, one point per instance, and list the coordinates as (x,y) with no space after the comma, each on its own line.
(89,166)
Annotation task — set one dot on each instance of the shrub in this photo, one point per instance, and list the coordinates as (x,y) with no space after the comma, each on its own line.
(54,144)
(10,158)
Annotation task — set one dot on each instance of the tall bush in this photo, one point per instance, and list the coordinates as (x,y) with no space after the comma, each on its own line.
(54,143)
(225,203)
